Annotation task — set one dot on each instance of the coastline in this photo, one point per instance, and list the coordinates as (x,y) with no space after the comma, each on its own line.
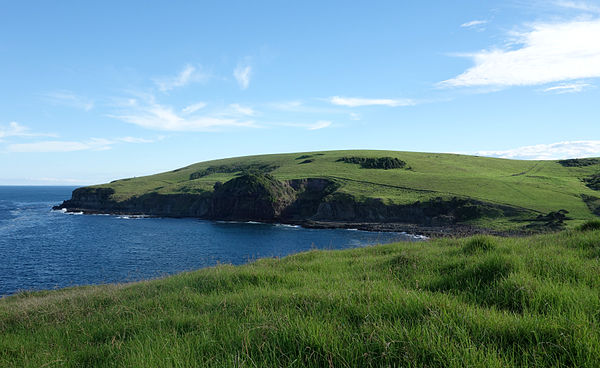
(395,227)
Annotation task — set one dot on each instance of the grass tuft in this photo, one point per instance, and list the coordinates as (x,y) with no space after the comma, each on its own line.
(479,243)
(590,226)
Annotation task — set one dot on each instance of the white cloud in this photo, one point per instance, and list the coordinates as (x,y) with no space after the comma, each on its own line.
(15,129)
(242,74)
(69,99)
(152,115)
(242,110)
(135,140)
(304,108)
(319,125)
(357,102)
(92,144)
(579,5)
(354,116)
(473,23)
(548,53)
(193,108)
(553,151)
(189,74)
(568,88)
(59,146)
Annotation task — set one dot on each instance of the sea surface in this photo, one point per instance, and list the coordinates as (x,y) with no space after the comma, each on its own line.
(45,249)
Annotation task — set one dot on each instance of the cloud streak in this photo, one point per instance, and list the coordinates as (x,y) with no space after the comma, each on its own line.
(546,53)
(189,74)
(578,5)
(473,23)
(15,129)
(568,88)
(193,108)
(69,99)
(321,124)
(151,115)
(359,102)
(92,144)
(552,151)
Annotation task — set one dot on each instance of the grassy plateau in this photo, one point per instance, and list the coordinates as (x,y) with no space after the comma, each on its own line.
(538,187)
(481,301)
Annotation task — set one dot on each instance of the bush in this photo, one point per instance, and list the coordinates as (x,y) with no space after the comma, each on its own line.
(579,162)
(384,163)
(593,182)
(590,226)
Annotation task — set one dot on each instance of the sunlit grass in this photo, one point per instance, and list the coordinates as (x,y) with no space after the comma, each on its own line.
(538,186)
(481,301)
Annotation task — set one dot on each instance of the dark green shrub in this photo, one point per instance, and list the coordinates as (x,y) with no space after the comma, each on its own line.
(579,162)
(226,169)
(384,163)
(593,182)
(590,226)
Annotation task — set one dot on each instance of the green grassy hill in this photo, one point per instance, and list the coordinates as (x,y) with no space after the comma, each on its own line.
(539,187)
(477,302)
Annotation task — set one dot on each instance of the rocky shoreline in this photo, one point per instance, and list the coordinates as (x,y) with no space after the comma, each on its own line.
(396,227)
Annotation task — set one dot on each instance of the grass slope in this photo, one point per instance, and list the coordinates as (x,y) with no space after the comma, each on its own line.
(481,301)
(540,186)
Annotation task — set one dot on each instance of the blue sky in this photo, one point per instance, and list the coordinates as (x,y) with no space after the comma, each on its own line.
(95,91)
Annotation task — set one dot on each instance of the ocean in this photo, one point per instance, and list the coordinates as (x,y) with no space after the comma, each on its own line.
(45,249)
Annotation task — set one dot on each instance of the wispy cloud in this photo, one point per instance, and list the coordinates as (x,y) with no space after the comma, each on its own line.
(242,110)
(568,88)
(552,151)
(14,129)
(190,109)
(354,116)
(295,105)
(69,99)
(303,107)
(136,140)
(579,5)
(321,124)
(357,102)
(548,52)
(92,144)
(149,114)
(242,74)
(60,146)
(189,74)
(473,23)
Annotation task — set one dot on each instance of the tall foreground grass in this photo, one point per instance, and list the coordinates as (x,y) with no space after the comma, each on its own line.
(482,301)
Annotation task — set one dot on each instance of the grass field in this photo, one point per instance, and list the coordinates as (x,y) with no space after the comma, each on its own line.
(480,301)
(539,186)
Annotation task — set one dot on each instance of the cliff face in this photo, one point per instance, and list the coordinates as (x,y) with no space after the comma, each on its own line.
(99,200)
(251,197)
(261,197)
(436,212)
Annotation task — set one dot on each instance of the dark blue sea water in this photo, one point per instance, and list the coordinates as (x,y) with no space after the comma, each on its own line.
(45,249)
